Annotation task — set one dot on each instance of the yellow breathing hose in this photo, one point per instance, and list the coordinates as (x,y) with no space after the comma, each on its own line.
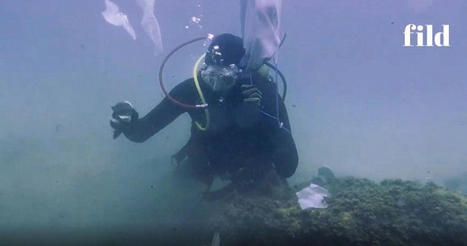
(201,96)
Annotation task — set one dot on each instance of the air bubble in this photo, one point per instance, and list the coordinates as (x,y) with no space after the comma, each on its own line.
(195,19)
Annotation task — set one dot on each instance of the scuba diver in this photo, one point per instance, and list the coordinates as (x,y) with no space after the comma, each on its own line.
(240,128)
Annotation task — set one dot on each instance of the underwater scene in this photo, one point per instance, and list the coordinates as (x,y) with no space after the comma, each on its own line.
(233,122)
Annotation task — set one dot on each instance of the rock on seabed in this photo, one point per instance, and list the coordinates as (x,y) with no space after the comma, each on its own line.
(360,212)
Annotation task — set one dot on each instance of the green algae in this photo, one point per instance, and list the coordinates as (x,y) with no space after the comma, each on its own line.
(360,212)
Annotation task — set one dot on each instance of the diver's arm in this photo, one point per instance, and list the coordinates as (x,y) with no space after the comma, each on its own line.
(159,117)
(285,155)
(162,115)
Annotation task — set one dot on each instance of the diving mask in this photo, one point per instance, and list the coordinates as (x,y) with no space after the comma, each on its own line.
(220,78)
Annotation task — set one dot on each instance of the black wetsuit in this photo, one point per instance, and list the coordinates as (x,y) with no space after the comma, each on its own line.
(241,136)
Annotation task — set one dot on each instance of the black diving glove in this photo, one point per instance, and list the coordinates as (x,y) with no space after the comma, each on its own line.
(248,113)
(251,94)
(122,116)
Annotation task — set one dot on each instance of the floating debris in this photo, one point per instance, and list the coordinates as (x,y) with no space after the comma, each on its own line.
(151,25)
(216,239)
(114,16)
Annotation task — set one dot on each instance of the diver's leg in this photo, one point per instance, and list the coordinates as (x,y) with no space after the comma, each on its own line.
(259,178)
(198,168)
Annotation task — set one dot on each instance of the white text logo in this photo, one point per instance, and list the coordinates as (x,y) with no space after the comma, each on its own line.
(425,37)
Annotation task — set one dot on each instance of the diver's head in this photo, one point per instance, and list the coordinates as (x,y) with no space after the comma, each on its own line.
(222,60)
(225,49)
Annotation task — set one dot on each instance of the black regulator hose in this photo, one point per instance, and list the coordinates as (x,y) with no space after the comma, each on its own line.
(284,82)
(161,70)
(196,106)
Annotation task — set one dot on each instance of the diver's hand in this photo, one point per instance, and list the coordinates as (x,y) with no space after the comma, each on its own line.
(251,94)
(122,116)
(248,113)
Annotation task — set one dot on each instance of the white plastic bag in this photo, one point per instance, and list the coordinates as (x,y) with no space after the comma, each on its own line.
(113,16)
(150,24)
(312,197)
(260,22)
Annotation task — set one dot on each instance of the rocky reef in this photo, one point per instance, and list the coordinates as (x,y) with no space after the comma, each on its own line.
(359,212)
